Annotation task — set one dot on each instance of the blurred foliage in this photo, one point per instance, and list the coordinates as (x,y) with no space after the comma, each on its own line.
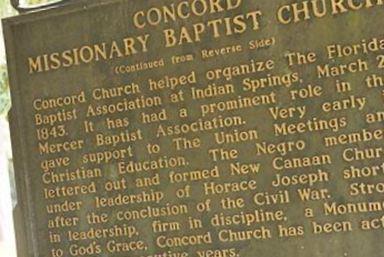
(6,10)
(5,100)
(36,2)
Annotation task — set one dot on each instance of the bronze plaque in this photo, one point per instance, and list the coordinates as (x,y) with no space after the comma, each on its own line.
(199,128)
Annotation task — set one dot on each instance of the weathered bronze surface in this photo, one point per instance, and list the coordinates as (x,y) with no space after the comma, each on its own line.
(199,128)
